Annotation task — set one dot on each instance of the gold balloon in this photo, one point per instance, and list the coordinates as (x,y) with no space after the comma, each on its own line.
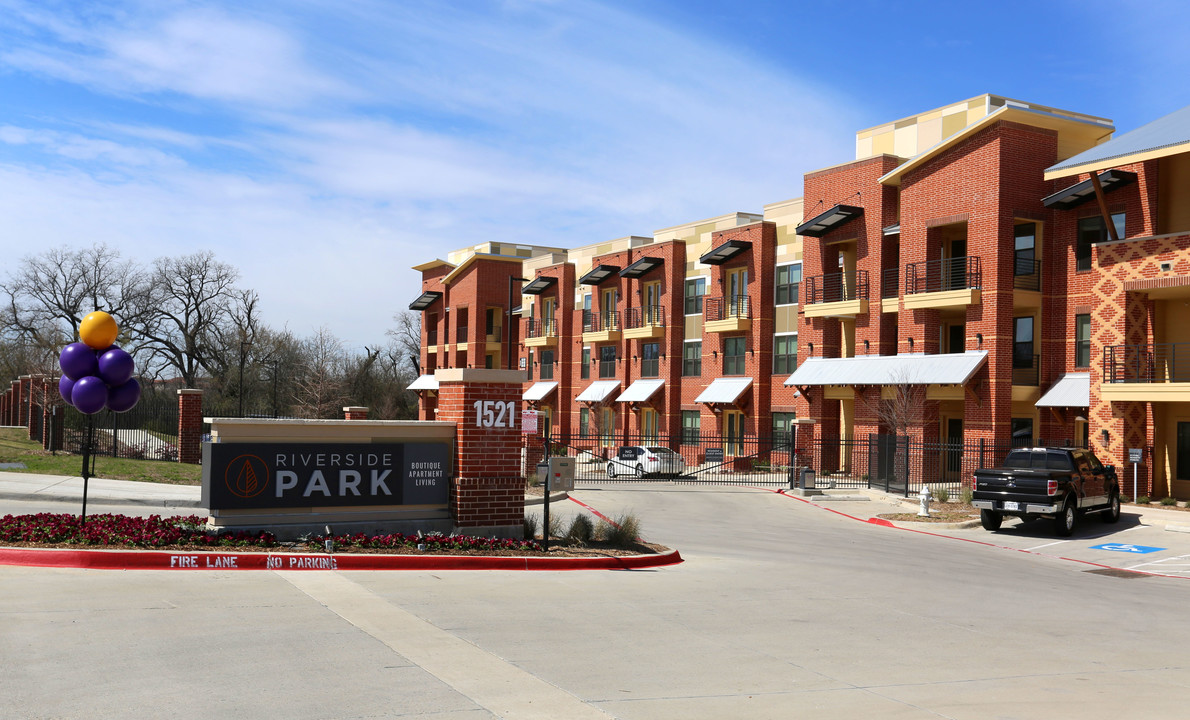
(98,330)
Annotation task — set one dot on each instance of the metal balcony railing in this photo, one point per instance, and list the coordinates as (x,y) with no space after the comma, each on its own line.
(431,338)
(960,273)
(461,334)
(1156,363)
(725,308)
(647,316)
(603,321)
(541,327)
(890,284)
(1026,274)
(1026,371)
(837,287)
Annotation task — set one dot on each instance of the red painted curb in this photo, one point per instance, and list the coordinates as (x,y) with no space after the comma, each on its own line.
(165,560)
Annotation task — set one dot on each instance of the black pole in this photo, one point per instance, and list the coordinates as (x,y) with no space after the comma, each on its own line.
(87,439)
(545,533)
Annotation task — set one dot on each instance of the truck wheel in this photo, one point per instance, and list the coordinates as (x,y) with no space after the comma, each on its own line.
(1112,514)
(1065,521)
(990,520)
(611,470)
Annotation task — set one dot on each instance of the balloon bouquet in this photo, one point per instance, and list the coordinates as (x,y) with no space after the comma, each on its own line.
(96,375)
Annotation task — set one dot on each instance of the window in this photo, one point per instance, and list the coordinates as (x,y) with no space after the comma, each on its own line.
(607,425)
(585,368)
(1022,432)
(733,355)
(692,359)
(782,425)
(785,354)
(1092,230)
(1026,244)
(695,289)
(1082,341)
(788,279)
(547,364)
(648,425)
(649,359)
(584,422)
(1022,342)
(607,361)
(691,427)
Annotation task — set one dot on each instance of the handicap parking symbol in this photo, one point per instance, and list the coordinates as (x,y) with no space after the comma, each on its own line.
(1121,547)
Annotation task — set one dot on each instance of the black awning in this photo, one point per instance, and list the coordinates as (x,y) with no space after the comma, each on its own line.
(725,252)
(640,267)
(1082,192)
(425,300)
(823,223)
(598,274)
(538,286)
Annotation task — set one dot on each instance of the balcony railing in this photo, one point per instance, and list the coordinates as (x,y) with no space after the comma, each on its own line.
(648,316)
(837,287)
(603,321)
(431,338)
(461,334)
(1026,371)
(1157,363)
(960,273)
(725,308)
(890,283)
(541,327)
(1026,274)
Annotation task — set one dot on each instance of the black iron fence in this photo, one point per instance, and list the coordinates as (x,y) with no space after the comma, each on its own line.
(890,284)
(957,273)
(149,431)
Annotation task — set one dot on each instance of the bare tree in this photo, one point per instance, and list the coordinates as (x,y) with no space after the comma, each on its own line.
(320,390)
(406,337)
(899,406)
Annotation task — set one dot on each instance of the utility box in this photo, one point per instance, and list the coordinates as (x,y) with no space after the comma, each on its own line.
(808,479)
(559,471)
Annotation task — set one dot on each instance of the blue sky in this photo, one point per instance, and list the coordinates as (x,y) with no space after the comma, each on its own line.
(323,147)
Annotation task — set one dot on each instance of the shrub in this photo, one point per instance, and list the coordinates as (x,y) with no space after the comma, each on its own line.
(622,532)
(555,525)
(940,494)
(1142,500)
(1167,501)
(1125,499)
(967,495)
(581,531)
(532,522)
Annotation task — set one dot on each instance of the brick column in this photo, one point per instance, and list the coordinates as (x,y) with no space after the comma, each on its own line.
(26,385)
(4,401)
(14,409)
(29,408)
(51,419)
(190,426)
(355,412)
(488,494)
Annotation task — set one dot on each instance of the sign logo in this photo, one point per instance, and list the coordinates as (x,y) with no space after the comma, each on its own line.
(246,476)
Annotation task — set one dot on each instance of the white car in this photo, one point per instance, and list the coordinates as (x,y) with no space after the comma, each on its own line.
(642,460)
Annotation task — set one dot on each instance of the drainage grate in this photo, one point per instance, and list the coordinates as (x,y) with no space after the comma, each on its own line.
(1117,573)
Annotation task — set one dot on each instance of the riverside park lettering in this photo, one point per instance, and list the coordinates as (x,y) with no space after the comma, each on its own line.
(291,475)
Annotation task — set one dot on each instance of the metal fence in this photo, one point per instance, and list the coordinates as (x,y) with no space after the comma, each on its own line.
(149,431)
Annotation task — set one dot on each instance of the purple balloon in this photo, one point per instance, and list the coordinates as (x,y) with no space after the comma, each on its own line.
(123,398)
(115,367)
(65,386)
(78,361)
(89,394)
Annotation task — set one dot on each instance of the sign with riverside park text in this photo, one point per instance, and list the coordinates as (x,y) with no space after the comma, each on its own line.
(298,475)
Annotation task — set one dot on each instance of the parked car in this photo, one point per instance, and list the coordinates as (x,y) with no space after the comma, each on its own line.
(642,460)
(1049,482)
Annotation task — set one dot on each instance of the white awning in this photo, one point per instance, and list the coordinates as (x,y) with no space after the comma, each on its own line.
(539,390)
(724,390)
(640,390)
(1071,390)
(905,369)
(598,391)
(424,382)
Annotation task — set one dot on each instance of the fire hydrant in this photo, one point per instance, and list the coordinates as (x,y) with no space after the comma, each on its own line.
(924,498)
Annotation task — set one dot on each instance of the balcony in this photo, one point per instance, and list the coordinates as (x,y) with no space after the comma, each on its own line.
(732,313)
(541,332)
(1026,378)
(461,336)
(643,323)
(946,284)
(432,341)
(599,327)
(1026,282)
(1148,373)
(890,290)
(842,295)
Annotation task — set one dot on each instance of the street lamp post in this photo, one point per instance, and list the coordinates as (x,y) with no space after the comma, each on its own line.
(508,322)
(243,346)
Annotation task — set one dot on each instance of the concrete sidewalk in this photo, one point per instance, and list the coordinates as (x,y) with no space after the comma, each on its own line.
(100,491)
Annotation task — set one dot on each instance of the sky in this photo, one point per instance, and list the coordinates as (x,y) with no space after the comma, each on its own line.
(323,147)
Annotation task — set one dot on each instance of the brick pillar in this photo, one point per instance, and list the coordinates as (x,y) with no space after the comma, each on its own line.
(190,426)
(30,408)
(355,412)
(488,494)
(26,382)
(4,401)
(51,418)
(14,410)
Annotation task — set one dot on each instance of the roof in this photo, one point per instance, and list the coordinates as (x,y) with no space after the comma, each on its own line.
(724,390)
(598,391)
(904,369)
(539,391)
(1169,135)
(640,390)
(462,267)
(1071,390)
(424,382)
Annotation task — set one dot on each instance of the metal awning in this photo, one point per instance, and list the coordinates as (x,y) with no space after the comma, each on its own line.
(724,390)
(640,390)
(598,274)
(425,300)
(538,286)
(539,390)
(823,223)
(1071,390)
(892,229)
(1084,191)
(905,369)
(725,252)
(424,382)
(598,391)
(642,266)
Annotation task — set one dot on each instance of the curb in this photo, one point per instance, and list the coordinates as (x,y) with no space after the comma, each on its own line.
(554,497)
(100,500)
(165,560)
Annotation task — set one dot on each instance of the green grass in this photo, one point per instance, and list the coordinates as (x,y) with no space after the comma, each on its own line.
(16,447)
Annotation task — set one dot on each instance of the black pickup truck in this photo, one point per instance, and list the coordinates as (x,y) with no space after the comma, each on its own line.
(1049,482)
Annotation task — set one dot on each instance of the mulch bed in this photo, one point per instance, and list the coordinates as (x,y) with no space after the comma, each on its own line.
(939,513)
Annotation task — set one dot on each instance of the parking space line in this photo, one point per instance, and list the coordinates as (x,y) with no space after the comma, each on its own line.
(1058,542)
